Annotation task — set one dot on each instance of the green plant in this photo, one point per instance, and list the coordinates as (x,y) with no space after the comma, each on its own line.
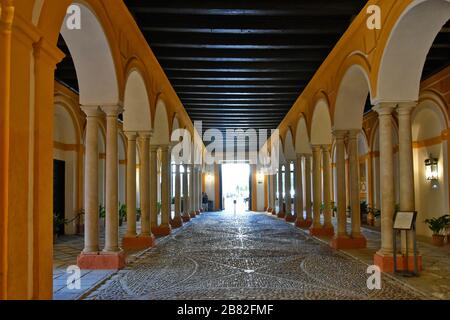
(436,225)
(58,223)
(122,213)
(138,214)
(158,206)
(101,211)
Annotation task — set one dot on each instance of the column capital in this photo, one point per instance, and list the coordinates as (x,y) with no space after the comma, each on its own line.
(384,108)
(92,111)
(405,108)
(144,134)
(112,110)
(316,147)
(340,134)
(131,135)
(326,147)
(353,134)
(300,156)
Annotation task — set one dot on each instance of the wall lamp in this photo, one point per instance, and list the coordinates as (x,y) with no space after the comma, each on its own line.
(431,170)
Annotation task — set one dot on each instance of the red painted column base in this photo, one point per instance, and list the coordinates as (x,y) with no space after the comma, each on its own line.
(177,222)
(290,218)
(186,218)
(386,263)
(138,242)
(304,224)
(281,215)
(192,214)
(197,212)
(101,261)
(161,231)
(342,242)
(269,210)
(274,212)
(322,231)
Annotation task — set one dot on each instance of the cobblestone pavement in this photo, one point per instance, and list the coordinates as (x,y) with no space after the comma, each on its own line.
(245,256)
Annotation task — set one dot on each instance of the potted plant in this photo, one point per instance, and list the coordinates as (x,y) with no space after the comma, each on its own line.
(58,225)
(102,214)
(138,214)
(436,225)
(122,213)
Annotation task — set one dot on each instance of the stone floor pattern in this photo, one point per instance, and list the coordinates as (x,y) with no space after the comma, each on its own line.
(245,256)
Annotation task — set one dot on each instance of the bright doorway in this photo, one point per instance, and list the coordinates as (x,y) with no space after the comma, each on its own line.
(236,186)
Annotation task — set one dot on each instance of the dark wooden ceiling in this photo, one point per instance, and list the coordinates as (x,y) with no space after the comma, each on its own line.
(242,64)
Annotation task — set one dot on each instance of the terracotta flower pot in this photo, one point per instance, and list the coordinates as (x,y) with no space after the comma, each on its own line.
(438,240)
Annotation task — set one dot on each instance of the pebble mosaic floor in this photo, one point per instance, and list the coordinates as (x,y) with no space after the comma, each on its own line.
(245,256)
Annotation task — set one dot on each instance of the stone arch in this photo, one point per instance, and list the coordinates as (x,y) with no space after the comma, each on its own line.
(289,149)
(93,59)
(137,114)
(321,123)
(66,138)
(405,52)
(302,144)
(354,87)
(429,127)
(161,134)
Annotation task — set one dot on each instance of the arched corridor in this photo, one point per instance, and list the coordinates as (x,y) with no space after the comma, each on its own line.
(130,132)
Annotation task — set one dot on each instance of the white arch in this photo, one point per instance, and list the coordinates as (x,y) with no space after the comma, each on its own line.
(137,115)
(161,128)
(93,60)
(431,199)
(407,48)
(351,99)
(289,149)
(302,144)
(321,124)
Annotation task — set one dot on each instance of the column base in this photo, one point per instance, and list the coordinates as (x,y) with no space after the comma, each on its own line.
(274,212)
(177,222)
(192,214)
(197,212)
(321,231)
(281,215)
(138,242)
(303,224)
(161,231)
(346,242)
(290,218)
(269,210)
(386,262)
(186,218)
(101,260)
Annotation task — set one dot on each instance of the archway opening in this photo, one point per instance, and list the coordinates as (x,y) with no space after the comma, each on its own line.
(236,186)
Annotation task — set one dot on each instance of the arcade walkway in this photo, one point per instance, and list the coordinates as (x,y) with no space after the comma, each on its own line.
(247,256)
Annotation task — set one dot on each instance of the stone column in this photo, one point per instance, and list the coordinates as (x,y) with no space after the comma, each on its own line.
(153,192)
(299,206)
(112,180)
(192,191)
(383,258)
(308,187)
(281,213)
(326,159)
(165,228)
(91,237)
(407,196)
(177,221)
(144,141)
(355,202)
(317,190)
(340,240)
(289,216)
(273,192)
(131,185)
(269,196)
(186,217)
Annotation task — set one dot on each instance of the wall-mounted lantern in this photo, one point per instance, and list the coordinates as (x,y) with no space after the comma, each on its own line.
(431,169)
(260,177)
